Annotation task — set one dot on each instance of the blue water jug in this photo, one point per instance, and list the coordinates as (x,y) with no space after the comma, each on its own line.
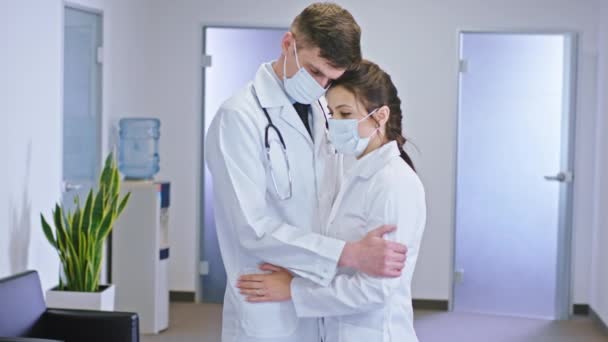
(138,149)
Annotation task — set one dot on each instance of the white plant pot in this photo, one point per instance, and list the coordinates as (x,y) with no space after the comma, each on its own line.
(100,301)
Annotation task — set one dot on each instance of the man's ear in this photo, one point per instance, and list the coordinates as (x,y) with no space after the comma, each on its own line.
(286,41)
(382,115)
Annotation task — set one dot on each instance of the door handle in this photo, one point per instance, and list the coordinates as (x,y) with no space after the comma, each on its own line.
(562,177)
(67,187)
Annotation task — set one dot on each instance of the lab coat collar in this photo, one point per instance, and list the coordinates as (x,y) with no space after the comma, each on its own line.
(269,90)
(271,94)
(375,160)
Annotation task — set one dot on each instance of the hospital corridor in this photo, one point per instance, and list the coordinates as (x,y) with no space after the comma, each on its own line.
(304,171)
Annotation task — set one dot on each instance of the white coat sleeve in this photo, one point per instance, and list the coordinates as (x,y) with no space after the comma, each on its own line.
(358,293)
(234,155)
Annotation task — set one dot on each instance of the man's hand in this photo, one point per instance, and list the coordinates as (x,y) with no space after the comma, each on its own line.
(374,255)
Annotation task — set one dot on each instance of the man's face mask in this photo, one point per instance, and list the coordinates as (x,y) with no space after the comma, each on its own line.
(301,87)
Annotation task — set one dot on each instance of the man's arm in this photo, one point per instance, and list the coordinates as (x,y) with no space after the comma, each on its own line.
(234,154)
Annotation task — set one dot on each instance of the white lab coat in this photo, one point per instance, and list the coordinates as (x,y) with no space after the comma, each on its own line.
(253,224)
(379,188)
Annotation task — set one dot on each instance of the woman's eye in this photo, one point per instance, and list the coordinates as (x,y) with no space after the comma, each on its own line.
(346,114)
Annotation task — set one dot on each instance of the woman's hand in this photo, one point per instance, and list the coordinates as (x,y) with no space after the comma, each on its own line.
(270,287)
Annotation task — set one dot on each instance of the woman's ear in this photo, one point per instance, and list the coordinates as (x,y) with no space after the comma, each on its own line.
(382,115)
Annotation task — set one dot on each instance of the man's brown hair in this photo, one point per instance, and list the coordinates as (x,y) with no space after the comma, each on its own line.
(333,30)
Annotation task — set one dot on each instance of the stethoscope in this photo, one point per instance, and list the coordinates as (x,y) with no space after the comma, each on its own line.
(270,126)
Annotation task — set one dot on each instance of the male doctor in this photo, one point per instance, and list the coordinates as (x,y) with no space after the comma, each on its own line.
(275,177)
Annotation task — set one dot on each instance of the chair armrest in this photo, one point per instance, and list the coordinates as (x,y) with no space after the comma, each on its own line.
(90,326)
(25,339)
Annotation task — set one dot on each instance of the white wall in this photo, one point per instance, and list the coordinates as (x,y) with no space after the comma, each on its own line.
(421,54)
(31,67)
(599,265)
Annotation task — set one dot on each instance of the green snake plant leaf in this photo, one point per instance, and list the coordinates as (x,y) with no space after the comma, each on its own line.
(106,175)
(123,204)
(48,232)
(106,225)
(115,184)
(74,224)
(87,214)
(58,220)
(98,208)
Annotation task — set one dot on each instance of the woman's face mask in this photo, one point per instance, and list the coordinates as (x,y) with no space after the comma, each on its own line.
(344,135)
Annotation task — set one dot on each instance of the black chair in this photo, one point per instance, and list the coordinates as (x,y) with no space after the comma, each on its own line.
(25,318)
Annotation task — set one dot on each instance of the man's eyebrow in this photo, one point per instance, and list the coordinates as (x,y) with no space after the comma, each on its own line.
(321,71)
(316,68)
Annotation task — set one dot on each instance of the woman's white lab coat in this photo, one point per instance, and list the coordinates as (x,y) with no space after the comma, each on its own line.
(379,188)
(253,225)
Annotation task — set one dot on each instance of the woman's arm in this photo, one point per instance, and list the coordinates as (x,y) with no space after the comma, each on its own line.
(345,295)
(349,294)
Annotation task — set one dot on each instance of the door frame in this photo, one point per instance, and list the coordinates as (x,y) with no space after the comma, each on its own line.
(564,280)
(199,252)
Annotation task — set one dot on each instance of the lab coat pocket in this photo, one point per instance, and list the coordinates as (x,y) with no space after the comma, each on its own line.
(351,333)
(267,320)
(366,327)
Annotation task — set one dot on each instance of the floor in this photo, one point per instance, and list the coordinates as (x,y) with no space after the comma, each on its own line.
(201,323)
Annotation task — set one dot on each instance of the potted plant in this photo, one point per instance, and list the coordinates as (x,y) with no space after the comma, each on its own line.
(78,236)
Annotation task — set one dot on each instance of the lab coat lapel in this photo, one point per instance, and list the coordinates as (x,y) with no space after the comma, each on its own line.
(291,117)
(268,90)
(272,96)
(345,184)
(319,128)
(364,168)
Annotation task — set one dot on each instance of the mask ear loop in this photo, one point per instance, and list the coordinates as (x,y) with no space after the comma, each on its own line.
(370,114)
(295,49)
(285,67)
(377,130)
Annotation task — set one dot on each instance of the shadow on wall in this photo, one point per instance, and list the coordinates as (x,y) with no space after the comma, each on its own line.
(20,225)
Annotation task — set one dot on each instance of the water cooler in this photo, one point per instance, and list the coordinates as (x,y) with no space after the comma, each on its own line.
(140,254)
(140,238)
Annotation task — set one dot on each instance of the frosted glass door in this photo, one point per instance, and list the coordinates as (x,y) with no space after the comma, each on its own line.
(513,113)
(236,54)
(81,103)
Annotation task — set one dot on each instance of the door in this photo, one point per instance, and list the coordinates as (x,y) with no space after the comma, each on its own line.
(233,56)
(81,103)
(514,174)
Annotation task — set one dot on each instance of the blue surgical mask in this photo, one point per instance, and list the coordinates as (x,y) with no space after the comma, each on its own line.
(302,87)
(344,135)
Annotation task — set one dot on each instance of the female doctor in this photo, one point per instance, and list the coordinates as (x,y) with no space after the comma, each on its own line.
(381,187)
